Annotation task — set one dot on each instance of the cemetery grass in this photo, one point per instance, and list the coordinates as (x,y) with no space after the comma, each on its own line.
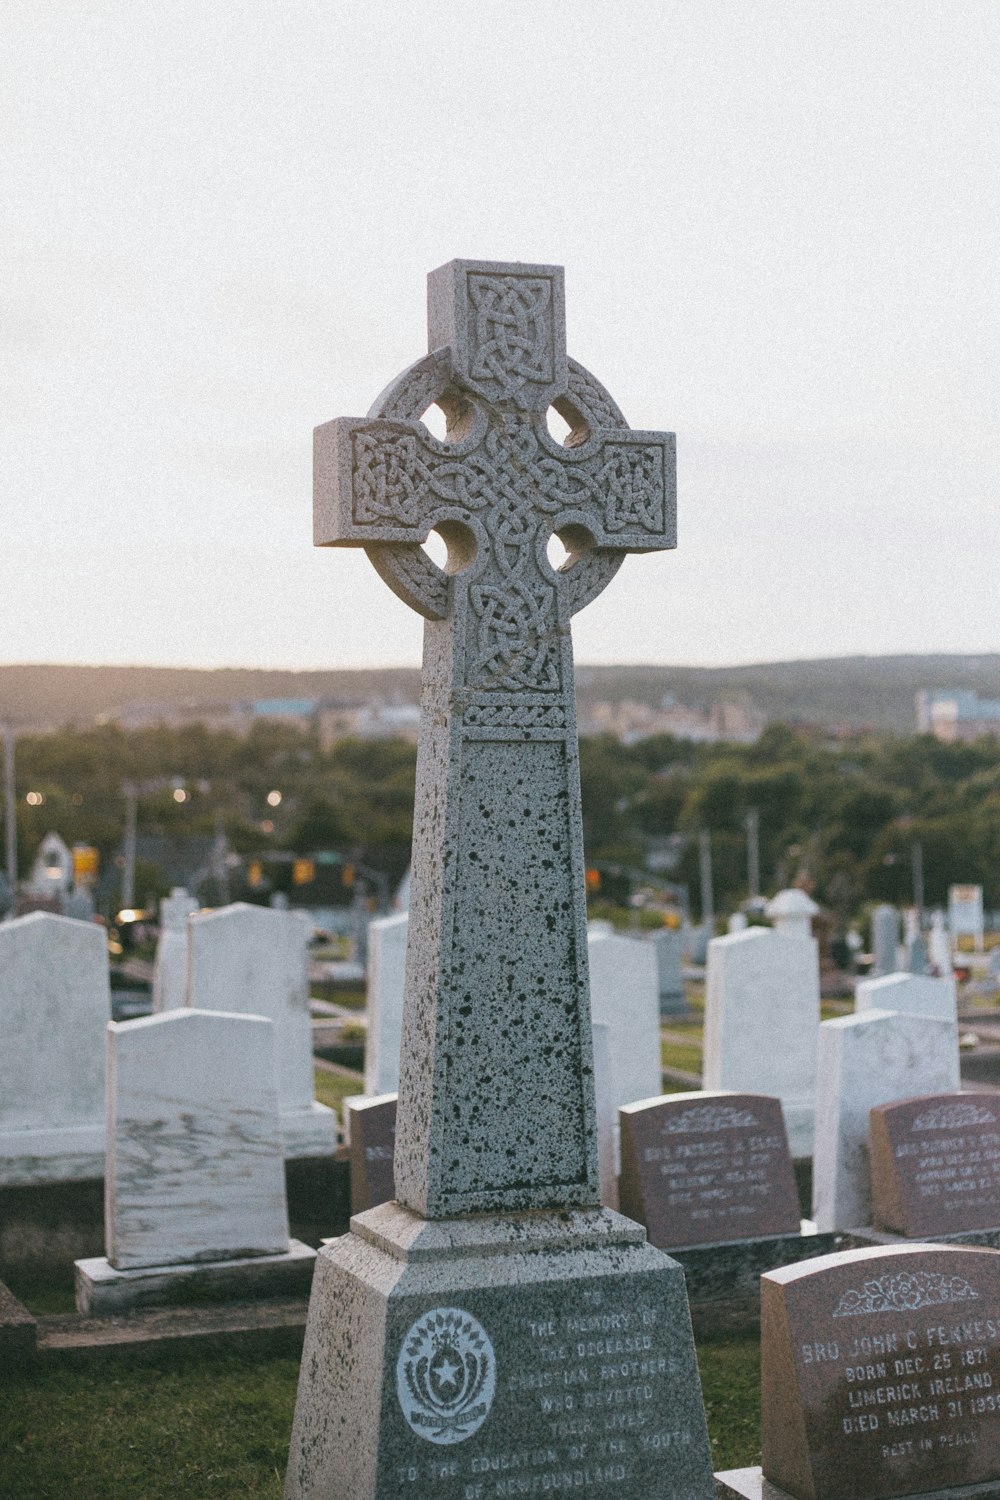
(189,1423)
(333,1088)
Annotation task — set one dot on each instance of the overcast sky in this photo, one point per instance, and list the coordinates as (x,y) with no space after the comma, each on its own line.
(779,223)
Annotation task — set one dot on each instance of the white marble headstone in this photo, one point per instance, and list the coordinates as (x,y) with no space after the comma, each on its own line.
(762,1023)
(195,1168)
(624,996)
(864,1060)
(939,950)
(917,994)
(55,1002)
(386,972)
(250,960)
(171,961)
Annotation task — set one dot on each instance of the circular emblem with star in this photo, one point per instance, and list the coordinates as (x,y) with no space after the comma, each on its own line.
(446,1375)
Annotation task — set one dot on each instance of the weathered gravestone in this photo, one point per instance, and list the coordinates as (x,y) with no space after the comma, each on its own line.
(698,1168)
(250,960)
(55,1001)
(170,965)
(495,1326)
(386,967)
(880,1376)
(194,1187)
(875,1058)
(917,994)
(372,1136)
(762,1018)
(935,1165)
(885,940)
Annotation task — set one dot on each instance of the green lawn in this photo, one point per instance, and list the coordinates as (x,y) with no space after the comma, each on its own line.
(197,1423)
(333,1088)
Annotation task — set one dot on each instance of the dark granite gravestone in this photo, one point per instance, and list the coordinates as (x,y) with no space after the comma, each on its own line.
(704,1167)
(880,1376)
(494,1331)
(935,1164)
(373,1137)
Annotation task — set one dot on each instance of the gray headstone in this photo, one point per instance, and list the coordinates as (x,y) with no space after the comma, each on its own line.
(667,944)
(429,1343)
(885,937)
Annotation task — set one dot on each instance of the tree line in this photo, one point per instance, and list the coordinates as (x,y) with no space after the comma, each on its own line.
(841,815)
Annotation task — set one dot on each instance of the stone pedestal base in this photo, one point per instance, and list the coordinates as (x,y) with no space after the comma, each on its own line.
(71,1153)
(869,1236)
(514,1354)
(309,1132)
(101,1290)
(732,1269)
(750,1484)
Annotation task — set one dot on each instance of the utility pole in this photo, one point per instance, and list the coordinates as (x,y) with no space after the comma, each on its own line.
(753,853)
(917,859)
(131,820)
(707,900)
(10,810)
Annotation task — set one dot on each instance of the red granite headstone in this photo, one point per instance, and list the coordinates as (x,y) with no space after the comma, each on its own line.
(880,1372)
(373,1140)
(935,1164)
(707,1167)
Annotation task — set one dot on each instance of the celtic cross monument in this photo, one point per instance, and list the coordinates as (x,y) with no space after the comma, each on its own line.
(451,1330)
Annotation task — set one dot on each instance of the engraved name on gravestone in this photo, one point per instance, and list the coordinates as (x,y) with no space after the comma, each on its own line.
(496,1099)
(503,1352)
(699,1168)
(935,1164)
(880,1372)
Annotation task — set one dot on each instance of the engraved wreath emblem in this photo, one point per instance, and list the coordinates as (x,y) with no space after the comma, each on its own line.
(446,1375)
(906,1291)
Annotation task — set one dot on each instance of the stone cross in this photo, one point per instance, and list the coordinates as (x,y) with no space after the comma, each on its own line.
(496,1095)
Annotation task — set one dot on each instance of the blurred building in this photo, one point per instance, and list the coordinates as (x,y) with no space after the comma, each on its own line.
(958,715)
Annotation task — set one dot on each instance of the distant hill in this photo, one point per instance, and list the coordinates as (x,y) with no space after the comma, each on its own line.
(850,690)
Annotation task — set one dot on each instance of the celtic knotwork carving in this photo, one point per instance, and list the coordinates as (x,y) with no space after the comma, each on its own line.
(515,716)
(509,469)
(588,394)
(515,646)
(953,1117)
(390,478)
(590,576)
(412,576)
(905,1291)
(708,1118)
(632,480)
(511,337)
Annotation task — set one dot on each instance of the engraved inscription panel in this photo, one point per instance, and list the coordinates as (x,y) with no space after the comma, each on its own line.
(698,1168)
(935,1164)
(553,1393)
(880,1372)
